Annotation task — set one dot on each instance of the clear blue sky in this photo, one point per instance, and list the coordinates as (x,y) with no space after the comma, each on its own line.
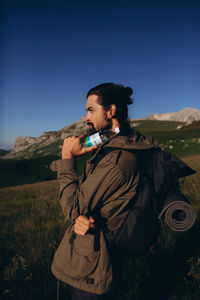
(54,51)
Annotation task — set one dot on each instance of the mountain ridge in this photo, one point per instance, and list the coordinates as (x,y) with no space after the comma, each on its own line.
(185,115)
(49,143)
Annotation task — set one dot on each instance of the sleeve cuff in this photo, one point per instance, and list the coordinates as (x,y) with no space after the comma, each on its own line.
(63,165)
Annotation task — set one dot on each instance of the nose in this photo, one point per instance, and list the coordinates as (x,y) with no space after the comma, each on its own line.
(87,117)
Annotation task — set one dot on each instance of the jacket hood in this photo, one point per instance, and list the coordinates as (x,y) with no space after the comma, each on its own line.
(134,142)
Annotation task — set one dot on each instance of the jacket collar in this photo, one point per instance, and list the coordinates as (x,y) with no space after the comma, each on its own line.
(134,142)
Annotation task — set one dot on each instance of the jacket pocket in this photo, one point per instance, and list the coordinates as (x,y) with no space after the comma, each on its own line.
(76,257)
(83,251)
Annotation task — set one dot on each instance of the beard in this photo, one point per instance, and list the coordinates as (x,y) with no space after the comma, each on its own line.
(93,130)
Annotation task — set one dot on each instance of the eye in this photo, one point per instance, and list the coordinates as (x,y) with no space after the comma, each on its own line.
(90,109)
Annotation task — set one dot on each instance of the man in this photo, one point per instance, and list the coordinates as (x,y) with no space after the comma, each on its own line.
(100,202)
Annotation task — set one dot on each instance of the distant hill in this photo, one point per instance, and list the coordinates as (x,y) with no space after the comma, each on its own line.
(49,143)
(3,152)
(185,123)
(185,115)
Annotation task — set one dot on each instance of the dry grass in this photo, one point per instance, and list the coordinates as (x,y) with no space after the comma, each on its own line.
(32,225)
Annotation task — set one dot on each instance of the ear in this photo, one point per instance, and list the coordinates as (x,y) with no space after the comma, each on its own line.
(113,110)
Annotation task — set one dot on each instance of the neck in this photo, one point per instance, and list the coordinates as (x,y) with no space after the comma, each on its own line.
(125,128)
(115,124)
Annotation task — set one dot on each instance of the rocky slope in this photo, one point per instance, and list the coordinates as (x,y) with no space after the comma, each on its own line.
(49,143)
(186,115)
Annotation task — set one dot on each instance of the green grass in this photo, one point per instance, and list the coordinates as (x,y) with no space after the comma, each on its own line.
(16,172)
(178,141)
(32,226)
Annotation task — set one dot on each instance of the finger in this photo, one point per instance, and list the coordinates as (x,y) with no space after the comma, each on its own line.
(80,229)
(82,225)
(91,219)
(81,136)
(89,149)
(79,232)
(81,217)
(82,220)
(67,139)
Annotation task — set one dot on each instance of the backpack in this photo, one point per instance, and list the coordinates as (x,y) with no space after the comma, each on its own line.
(158,198)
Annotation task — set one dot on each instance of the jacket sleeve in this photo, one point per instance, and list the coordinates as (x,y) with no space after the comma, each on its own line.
(77,199)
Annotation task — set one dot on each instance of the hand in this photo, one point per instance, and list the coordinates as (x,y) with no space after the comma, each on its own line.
(83,224)
(72,147)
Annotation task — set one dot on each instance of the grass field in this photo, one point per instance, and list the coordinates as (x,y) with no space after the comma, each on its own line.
(32,225)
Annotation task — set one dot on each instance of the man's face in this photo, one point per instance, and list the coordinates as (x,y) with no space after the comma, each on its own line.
(97,118)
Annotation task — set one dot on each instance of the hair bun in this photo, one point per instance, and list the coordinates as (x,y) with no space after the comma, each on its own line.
(129,91)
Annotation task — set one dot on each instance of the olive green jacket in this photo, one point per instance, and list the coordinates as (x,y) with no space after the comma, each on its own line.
(109,185)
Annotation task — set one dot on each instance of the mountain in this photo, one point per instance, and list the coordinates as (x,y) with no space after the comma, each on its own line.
(186,115)
(49,143)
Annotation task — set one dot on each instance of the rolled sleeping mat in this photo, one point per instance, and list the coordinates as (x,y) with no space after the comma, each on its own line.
(178,215)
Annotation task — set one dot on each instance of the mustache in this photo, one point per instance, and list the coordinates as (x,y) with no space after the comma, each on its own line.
(90,124)
(92,129)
